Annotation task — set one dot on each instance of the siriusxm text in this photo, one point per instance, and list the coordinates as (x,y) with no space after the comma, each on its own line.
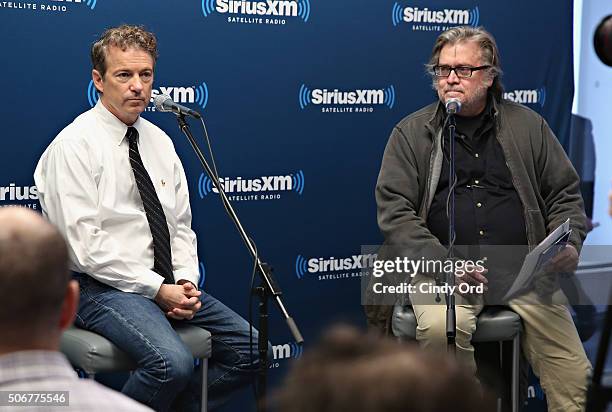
(177,94)
(324,96)
(14,192)
(522,96)
(331,264)
(260,184)
(448,16)
(259,8)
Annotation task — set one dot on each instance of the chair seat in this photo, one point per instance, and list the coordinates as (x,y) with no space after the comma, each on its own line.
(494,324)
(95,354)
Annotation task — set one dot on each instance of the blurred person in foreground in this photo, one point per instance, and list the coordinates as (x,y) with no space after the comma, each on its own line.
(351,371)
(38,302)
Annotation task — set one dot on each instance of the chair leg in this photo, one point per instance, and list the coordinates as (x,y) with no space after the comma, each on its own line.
(516,354)
(204,378)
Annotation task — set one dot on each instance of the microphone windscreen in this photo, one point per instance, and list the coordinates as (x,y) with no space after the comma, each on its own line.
(159,101)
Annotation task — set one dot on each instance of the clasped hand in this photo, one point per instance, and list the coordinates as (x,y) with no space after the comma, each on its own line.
(180,301)
(475,278)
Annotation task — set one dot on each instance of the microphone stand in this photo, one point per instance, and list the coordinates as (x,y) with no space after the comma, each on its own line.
(451,320)
(268,287)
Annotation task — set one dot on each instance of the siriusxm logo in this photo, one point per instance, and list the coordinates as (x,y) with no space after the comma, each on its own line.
(527,96)
(259,188)
(347,98)
(258,12)
(426,19)
(286,351)
(194,94)
(12,192)
(316,265)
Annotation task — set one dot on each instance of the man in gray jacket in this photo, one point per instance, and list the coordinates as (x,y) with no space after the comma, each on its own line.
(514,185)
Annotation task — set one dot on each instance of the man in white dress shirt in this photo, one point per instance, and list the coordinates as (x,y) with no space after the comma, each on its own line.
(34,260)
(114,185)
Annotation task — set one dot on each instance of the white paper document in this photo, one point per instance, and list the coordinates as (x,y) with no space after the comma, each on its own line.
(537,259)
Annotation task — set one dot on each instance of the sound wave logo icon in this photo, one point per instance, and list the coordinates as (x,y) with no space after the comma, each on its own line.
(92,94)
(385,96)
(474,17)
(449,17)
(304,9)
(298,181)
(542,96)
(208,7)
(201,95)
(304,96)
(294,182)
(390,97)
(396,14)
(301,266)
(296,350)
(91,3)
(267,8)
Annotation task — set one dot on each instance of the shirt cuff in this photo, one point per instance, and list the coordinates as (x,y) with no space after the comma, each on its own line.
(186,274)
(150,289)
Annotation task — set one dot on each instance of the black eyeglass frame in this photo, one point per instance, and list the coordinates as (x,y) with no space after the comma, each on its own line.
(462,76)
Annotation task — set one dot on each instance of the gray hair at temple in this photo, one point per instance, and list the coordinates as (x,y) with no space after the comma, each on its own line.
(124,37)
(488,48)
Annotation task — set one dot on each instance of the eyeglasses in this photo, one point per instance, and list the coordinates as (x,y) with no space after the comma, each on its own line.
(463,72)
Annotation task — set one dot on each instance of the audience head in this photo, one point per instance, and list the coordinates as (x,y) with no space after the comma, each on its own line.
(37,298)
(350,371)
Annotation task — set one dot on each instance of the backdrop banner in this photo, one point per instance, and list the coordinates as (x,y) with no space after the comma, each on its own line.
(299,98)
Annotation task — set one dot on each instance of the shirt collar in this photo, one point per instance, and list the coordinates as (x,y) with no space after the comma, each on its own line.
(437,118)
(116,128)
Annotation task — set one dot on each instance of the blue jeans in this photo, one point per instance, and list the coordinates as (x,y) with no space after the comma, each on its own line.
(166,367)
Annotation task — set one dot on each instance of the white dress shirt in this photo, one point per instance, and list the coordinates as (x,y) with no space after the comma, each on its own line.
(87,189)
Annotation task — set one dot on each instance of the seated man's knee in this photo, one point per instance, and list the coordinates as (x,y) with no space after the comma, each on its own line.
(177,366)
(431,330)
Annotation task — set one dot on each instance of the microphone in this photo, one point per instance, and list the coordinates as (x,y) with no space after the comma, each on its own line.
(164,103)
(453,106)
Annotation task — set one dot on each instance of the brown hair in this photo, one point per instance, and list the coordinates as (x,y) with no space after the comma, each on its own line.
(488,48)
(33,273)
(351,371)
(124,37)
